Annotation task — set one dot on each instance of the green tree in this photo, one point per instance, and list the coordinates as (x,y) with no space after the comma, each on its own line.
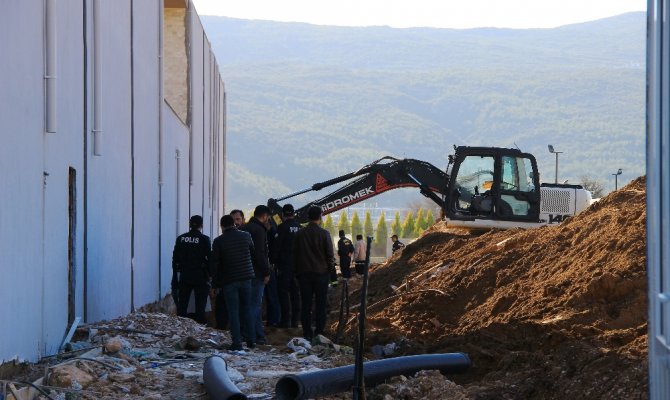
(396,227)
(429,219)
(343,224)
(330,226)
(381,236)
(356,227)
(368,230)
(419,223)
(408,226)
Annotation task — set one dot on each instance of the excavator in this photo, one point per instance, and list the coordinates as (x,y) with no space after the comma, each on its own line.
(482,188)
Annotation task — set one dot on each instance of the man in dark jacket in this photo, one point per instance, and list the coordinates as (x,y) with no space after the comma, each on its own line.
(282,254)
(314,260)
(190,258)
(397,244)
(345,249)
(256,227)
(232,271)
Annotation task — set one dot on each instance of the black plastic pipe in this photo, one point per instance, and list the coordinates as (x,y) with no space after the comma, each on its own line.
(218,383)
(337,380)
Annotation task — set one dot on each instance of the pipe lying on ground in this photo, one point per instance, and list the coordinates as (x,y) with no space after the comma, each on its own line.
(218,383)
(337,380)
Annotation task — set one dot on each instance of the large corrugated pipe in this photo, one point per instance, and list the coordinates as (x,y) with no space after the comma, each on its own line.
(337,380)
(218,383)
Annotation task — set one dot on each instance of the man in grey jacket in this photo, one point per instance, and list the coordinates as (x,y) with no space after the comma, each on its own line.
(233,272)
(314,260)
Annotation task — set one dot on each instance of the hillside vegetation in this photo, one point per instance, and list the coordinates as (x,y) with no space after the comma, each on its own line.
(307,102)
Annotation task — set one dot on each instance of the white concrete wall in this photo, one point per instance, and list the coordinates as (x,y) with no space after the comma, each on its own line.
(128,235)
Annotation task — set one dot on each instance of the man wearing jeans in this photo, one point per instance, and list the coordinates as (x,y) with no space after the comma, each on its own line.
(233,272)
(256,227)
(314,260)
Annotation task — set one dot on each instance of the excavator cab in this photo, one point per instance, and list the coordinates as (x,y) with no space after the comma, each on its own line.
(495,184)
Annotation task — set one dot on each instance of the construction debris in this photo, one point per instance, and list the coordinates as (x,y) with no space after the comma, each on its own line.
(159,356)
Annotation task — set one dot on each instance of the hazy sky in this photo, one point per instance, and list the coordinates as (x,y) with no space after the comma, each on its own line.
(435,13)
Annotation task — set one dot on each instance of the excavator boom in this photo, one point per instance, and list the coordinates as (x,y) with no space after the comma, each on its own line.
(385,174)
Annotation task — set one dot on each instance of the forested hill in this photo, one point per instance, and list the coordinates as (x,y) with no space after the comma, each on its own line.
(307,102)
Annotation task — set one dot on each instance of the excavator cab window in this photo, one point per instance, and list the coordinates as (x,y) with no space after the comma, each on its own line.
(474,181)
(516,187)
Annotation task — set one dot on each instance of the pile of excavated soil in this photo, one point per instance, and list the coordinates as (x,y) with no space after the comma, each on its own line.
(544,314)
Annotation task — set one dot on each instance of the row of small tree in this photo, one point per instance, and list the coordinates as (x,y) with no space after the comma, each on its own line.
(412,226)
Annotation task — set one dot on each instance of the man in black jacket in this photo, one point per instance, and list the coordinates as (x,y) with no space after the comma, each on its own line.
(282,255)
(190,258)
(345,249)
(232,271)
(397,244)
(314,260)
(256,227)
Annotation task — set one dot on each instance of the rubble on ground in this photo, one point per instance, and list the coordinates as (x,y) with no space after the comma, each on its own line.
(160,356)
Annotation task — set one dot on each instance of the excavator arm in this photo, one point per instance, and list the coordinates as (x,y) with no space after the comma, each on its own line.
(385,174)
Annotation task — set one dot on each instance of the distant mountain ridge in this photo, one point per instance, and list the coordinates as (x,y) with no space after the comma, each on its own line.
(308,102)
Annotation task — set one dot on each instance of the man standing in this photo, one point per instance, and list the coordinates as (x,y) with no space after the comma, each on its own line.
(190,259)
(273,310)
(238,216)
(397,244)
(345,249)
(256,227)
(360,249)
(232,271)
(313,254)
(282,254)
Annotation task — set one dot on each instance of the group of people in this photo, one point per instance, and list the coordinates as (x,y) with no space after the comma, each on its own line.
(291,264)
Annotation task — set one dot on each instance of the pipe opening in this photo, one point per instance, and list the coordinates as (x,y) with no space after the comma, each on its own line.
(289,388)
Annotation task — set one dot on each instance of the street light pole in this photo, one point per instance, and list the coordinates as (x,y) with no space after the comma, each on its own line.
(616,180)
(551,150)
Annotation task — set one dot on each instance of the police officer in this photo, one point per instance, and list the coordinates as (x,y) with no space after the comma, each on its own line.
(282,254)
(190,262)
(345,249)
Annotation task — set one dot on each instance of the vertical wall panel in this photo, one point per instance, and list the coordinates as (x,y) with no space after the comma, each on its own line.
(63,150)
(21,163)
(197,85)
(145,175)
(109,180)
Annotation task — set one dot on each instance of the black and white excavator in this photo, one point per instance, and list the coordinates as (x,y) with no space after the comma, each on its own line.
(482,188)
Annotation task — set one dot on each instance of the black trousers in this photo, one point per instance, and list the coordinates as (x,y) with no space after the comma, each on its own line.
(313,287)
(201,292)
(220,311)
(289,299)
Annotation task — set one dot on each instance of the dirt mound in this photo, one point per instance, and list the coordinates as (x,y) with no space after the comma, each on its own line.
(544,313)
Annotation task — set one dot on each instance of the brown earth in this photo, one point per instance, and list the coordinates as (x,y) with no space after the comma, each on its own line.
(547,313)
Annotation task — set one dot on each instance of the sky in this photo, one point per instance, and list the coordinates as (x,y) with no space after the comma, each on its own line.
(423,13)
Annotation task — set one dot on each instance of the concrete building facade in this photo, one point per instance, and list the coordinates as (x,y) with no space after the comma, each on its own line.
(113,126)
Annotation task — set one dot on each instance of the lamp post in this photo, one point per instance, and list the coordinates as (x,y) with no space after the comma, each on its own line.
(551,150)
(616,178)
